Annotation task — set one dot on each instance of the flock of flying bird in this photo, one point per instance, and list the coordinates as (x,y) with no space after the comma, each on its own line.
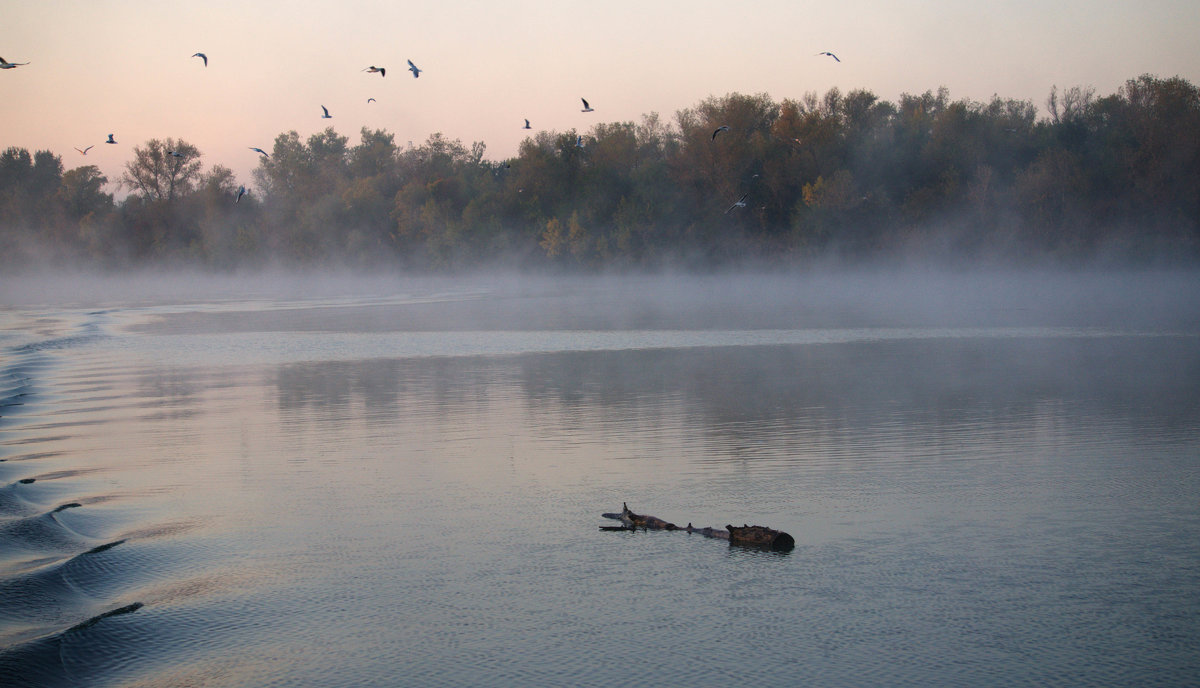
(416,72)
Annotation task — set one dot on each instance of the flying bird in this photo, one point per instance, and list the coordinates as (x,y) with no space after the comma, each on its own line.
(835,57)
(741,203)
(111,139)
(259,150)
(370,100)
(586,107)
(202,56)
(5,64)
(723,127)
(241,192)
(413,68)
(83,151)
(326,115)
(372,69)
(526,125)
(175,154)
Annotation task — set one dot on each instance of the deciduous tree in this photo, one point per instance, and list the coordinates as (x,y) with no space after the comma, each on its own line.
(162,170)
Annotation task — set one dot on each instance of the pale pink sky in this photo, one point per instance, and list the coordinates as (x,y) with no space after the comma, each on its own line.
(125,67)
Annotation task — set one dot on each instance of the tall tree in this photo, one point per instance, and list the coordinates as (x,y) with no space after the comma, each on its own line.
(161,170)
(81,193)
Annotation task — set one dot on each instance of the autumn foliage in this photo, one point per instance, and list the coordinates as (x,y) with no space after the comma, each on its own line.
(844,174)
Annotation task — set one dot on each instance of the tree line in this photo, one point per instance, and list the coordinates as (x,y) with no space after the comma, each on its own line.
(732,178)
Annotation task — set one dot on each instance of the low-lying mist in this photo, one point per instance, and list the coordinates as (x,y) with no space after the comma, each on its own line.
(507,300)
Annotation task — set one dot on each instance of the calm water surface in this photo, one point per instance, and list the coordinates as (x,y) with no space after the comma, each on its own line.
(990,481)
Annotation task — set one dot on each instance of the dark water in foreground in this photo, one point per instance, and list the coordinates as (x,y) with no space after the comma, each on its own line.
(989,482)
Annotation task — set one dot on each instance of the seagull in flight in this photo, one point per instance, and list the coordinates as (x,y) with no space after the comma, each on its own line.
(241,192)
(111,139)
(741,203)
(372,69)
(526,125)
(370,100)
(586,107)
(202,56)
(83,151)
(175,154)
(835,57)
(5,64)
(723,127)
(326,115)
(413,68)
(259,150)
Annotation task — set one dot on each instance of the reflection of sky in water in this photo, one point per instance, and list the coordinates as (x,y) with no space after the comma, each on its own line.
(298,505)
(283,347)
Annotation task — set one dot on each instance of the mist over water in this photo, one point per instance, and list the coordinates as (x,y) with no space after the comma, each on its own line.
(332,479)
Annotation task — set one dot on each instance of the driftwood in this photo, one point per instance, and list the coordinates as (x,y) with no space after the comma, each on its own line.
(750,536)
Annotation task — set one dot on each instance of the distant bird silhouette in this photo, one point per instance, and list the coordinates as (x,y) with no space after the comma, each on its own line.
(241,192)
(84,150)
(526,125)
(741,203)
(579,142)
(202,56)
(259,150)
(835,57)
(719,129)
(370,100)
(5,64)
(586,107)
(326,115)
(175,154)
(413,68)
(111,139)
(372,69)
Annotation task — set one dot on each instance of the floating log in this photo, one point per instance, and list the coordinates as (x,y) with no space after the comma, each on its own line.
(746,535)
(760,536)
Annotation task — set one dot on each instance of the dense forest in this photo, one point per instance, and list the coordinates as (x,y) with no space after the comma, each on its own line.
(738,177)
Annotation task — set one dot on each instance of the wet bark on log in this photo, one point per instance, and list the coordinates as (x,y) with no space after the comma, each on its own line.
(746,535)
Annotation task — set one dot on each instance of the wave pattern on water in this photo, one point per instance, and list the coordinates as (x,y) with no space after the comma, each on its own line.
(60,589)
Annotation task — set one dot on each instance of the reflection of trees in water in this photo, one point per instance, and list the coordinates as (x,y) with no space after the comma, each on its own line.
(176,387)
(743,396)
(753,390)
(382,385)
(336,384)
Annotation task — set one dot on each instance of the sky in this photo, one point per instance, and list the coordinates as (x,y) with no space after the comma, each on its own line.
(126,68)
